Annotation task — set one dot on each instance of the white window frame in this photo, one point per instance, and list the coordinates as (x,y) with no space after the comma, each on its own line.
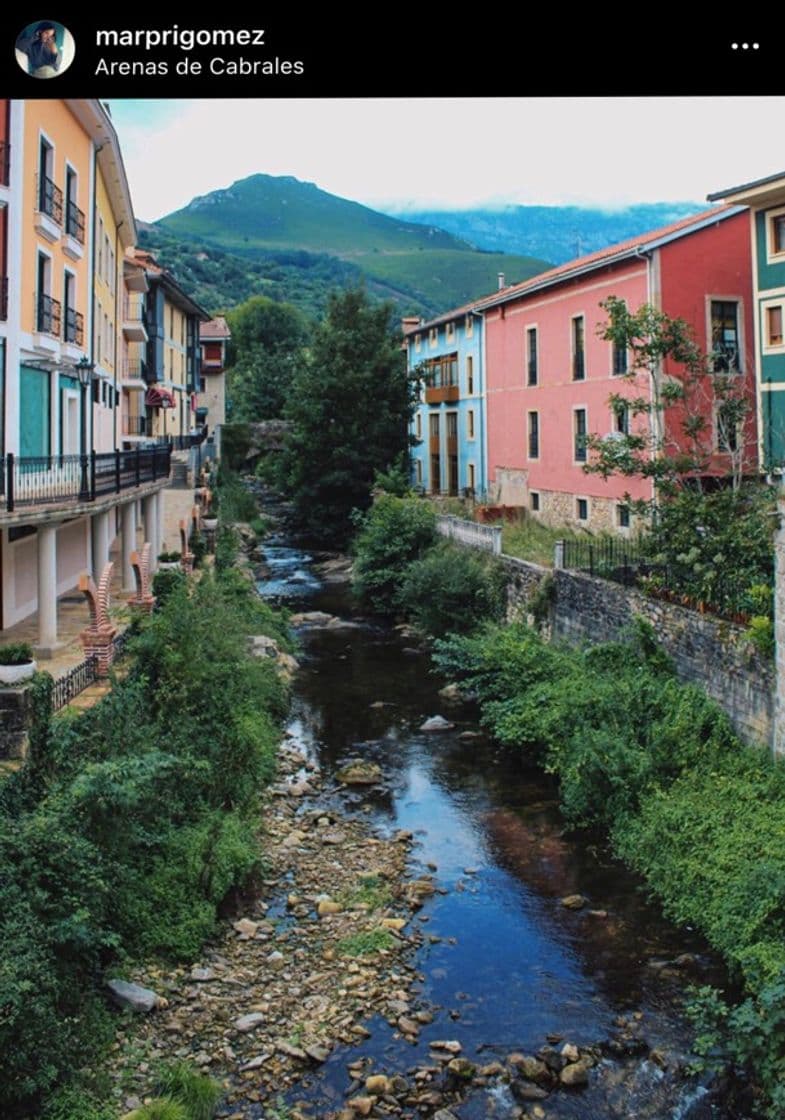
(470,424)
(535,494)
(468,326)
(574,435)
(529,413)
(765,306)
(433,337)
(583,498)
(771,252)
(449,332)
(536,328)
(719,298)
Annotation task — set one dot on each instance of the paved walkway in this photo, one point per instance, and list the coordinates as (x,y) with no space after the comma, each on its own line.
(72,612)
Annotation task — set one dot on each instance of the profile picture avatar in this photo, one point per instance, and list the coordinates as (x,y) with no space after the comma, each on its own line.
(45,49)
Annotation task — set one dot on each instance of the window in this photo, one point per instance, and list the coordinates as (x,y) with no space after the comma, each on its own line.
(449,332)
(623,517)
(470,424)
(619,360)
(531,355)
(725,347)
(582,509)
(418,425)
(579,432)
(470,375)
(534,501)
(777,234)
(433,336)
(621,419)
(774,318)
(418,343)
(469,325)
(534,435)
(578,353)
(418,471)
(203,385)
(472,478)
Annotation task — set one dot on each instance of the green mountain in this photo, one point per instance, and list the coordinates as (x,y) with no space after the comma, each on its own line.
(266,219)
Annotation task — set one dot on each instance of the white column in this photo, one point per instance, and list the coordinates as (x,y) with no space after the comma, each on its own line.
(100,532)
(47,589)
(128,544)
(159,524)
(150,516)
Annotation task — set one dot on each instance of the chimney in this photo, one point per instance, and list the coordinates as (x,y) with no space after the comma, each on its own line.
(410,323)
(501,281)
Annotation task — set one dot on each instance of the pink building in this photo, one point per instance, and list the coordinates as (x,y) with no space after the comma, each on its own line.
(549,375)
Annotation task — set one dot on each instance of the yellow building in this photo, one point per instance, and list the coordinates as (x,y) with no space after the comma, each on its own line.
(66,342)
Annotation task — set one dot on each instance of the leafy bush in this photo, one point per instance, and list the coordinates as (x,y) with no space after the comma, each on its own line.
(167,581)
(162,1108)
(392,534)
(236,501)
(452,589)
(130,825)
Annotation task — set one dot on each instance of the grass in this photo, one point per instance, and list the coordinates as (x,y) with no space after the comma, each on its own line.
(370,891)
(531,540)
(367,943)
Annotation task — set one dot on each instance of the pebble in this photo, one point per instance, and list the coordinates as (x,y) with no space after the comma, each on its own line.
(573,902)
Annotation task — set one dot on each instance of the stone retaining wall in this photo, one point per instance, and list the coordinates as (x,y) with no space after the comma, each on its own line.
(705,650)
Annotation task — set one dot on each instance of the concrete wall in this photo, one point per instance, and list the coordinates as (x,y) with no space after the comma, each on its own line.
(706,651)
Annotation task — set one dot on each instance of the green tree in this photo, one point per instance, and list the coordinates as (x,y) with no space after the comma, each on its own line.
(667,432)
(267,347)
(349,410)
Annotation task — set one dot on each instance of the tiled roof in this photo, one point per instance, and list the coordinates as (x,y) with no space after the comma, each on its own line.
(620,251)
(215,328)
(446,316)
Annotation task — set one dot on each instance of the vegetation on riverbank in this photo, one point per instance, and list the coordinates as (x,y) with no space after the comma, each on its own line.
(128,828)
(657,765)
(403,566)
(652,762)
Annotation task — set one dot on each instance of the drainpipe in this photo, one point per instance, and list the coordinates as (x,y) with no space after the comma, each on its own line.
(117,327)
(483,464)
(91,287)
(647,255)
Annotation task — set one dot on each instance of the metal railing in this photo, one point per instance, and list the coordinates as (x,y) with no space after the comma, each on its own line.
(725,594)
(48,315)
(134,369)
(135,426)
(73,479)
(74,222)
(74,326)
(73,682)
(471,533)
(134,309)
(50,199)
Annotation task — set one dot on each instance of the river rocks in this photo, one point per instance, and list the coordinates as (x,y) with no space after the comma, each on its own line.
(570,1052)
(362,1106)
(532,1069)
(461,1068)
(451,693)
(248,1023)
(450,1046)
(437,723)
(378,1085)
(327,907)
(245,927)
(359,773)
(255,1063)
(575,1074)
(573,902)
(317,1053)
(395,924)
(134,997)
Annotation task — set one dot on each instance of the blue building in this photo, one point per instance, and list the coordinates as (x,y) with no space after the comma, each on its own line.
(449,454)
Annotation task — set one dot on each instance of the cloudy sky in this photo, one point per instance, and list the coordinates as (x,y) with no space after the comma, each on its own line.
(455,152)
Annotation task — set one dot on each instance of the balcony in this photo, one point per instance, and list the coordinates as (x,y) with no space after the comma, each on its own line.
(134,371)
(74,327)
(48,320)
(73,246)
(438,394)
(135,426)
(5,163)
(63,482)
(49,209)
(134,320)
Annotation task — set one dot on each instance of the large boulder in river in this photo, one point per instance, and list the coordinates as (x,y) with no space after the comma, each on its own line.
(134,997)
(437,723)
(359,773)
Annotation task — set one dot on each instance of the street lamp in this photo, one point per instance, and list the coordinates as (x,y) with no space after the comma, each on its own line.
(84,371)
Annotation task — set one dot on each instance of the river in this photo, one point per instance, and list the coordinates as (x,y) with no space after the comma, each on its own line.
(505,966)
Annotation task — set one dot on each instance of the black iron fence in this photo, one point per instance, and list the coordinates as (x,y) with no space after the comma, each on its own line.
(50,199)
(74,222)
(726,594)
(58,479)
(73,682)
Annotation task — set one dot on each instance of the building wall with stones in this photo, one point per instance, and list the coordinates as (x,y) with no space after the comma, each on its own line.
(581,610)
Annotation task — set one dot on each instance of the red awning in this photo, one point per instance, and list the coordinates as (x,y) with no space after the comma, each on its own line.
(159,398)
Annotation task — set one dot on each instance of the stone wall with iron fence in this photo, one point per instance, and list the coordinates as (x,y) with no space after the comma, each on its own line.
(582,609)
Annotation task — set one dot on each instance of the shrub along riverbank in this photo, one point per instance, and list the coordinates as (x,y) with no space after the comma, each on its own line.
(653,762)
(128,828)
